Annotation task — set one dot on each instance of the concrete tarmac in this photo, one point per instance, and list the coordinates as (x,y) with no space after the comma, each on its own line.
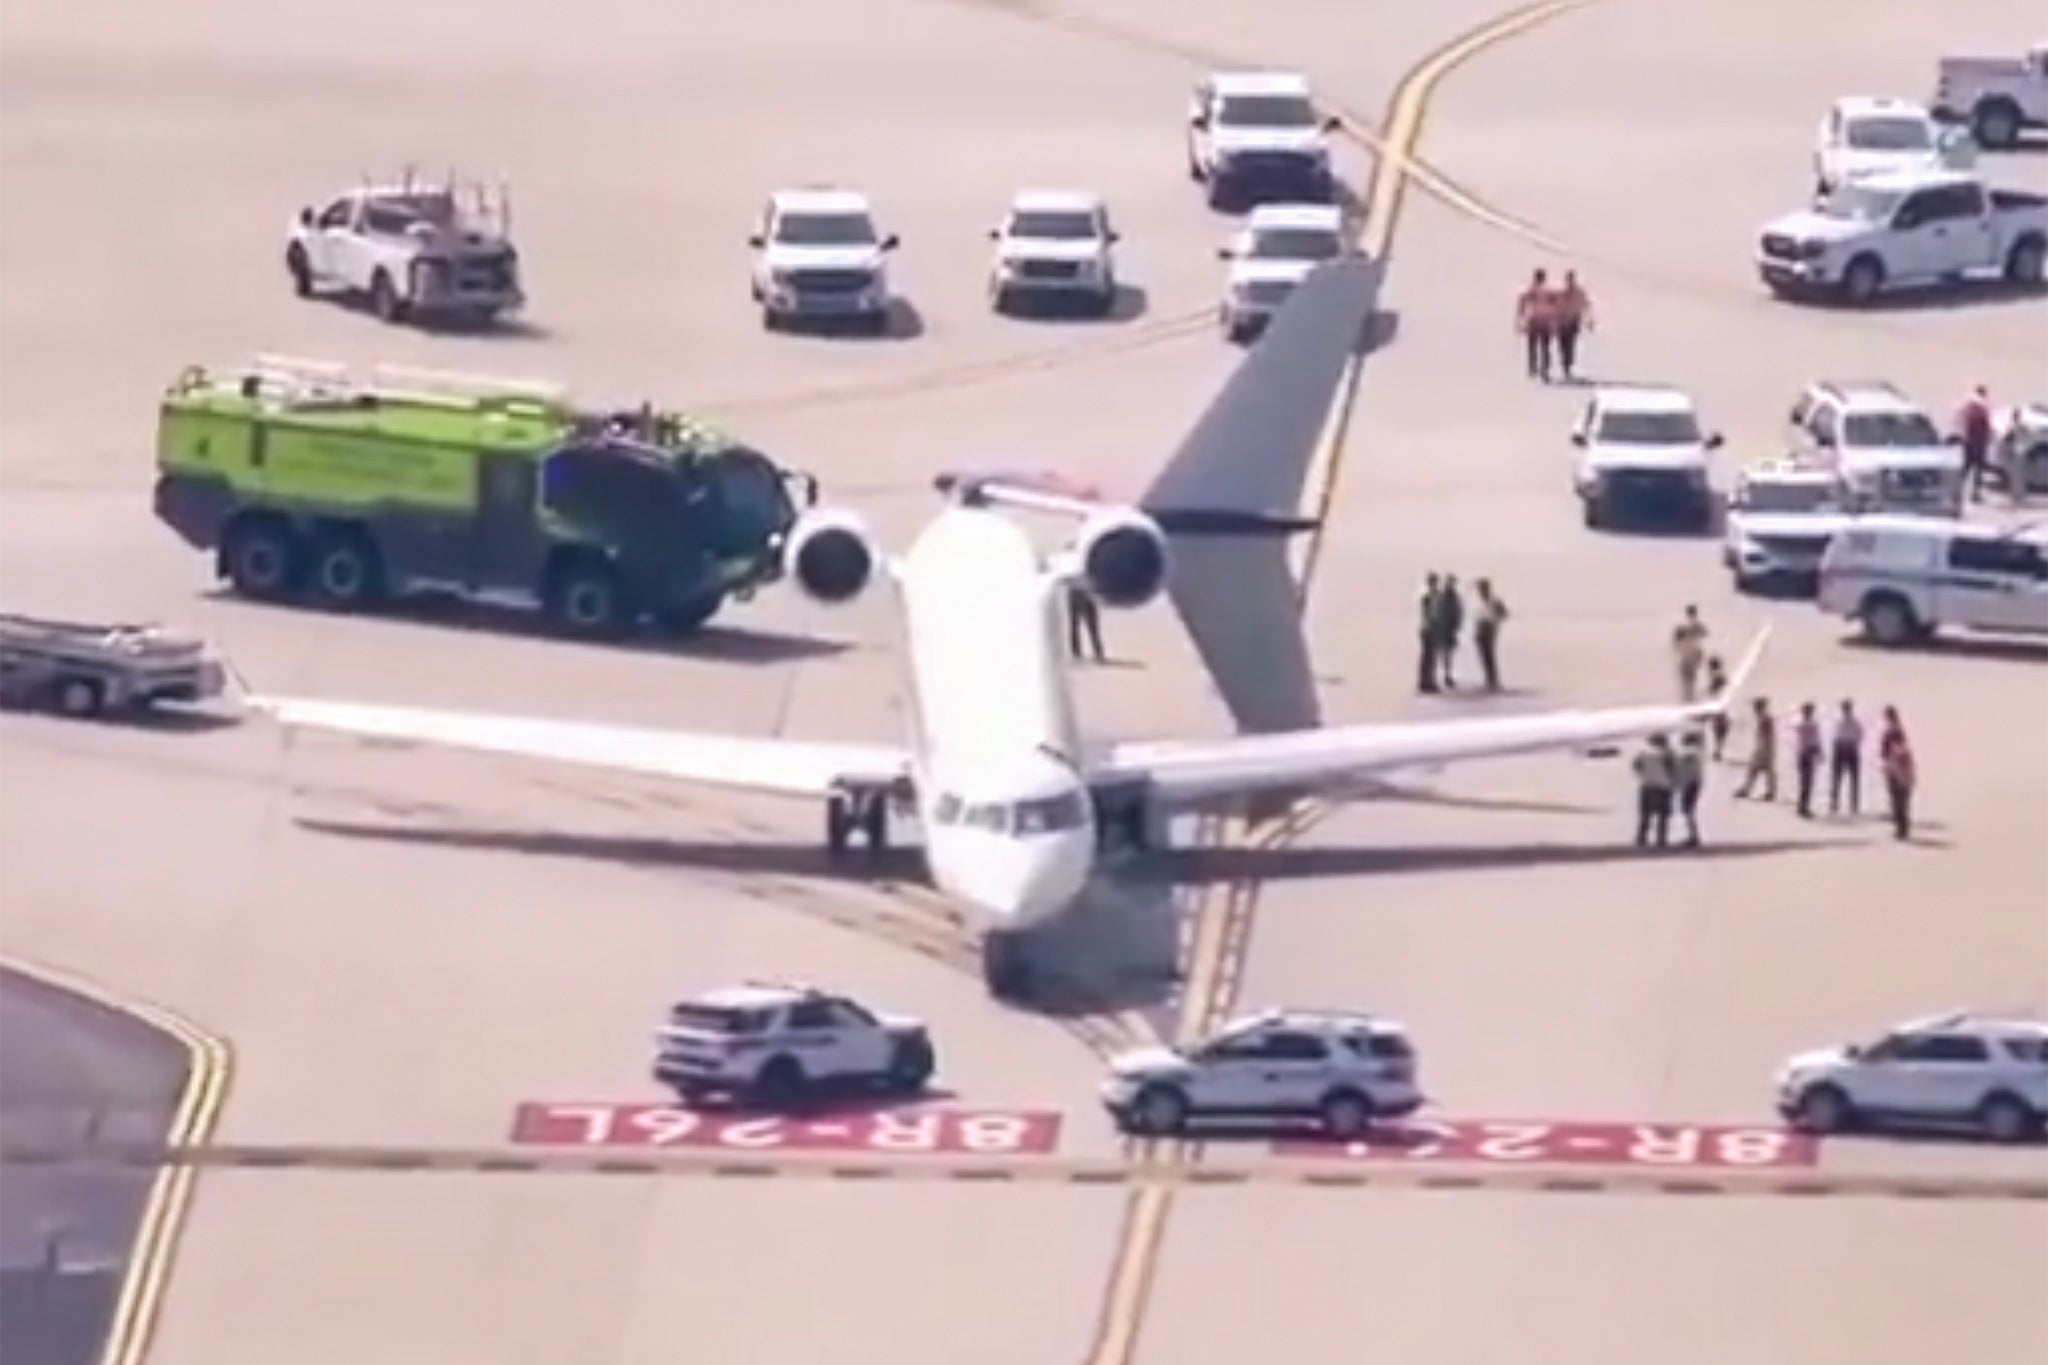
(413,990)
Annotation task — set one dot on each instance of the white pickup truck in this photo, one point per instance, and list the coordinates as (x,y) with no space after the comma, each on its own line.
(412,250)
(2000,96)
(1902,229)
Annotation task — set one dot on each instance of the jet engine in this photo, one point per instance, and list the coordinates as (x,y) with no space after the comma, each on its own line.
(830,555)
(1122,557)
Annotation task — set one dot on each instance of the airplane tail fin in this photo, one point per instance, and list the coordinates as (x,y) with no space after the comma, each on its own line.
(1231,498)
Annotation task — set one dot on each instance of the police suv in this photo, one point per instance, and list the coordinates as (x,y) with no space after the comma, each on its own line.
(1279,246)
(1981,1072)
(818,255)
(1885,447)
(1252,135)
(1054,244)
(1904,578)
(775,1044)
(1341,1070)
(1781,516)
(1643,458)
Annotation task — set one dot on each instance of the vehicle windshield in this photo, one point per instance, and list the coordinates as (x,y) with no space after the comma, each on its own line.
(1890,133)
(1650,428)
(1894,430)
(752,490)
(1788,497)
(435,207)
(717,1019)
(1266,111)
(1295,244)
(1860,203)
(1064,225)
(826,229)
(1069,810)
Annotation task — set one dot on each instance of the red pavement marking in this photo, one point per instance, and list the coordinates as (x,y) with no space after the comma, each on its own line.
(923,1130)
(1500,1142)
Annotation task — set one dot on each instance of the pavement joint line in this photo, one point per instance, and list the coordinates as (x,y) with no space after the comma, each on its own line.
(1156,1175)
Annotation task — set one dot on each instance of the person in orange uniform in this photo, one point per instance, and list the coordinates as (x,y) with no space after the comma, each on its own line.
(1536,320)
(1573,313)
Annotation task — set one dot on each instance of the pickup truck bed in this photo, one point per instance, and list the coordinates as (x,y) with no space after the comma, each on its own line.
(83,669)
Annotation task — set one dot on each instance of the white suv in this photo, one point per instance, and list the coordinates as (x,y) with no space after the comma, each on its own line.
(1780,517)
(1342,1070)
(1887,449)
(1278,247)
(1982,1072)
(818,254)
(1864,135)
(1054,244)
(775,1044)
(1643,458)
(1904,578)
(1254,134)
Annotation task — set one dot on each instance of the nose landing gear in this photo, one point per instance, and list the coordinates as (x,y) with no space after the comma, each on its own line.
(1006,968)
(864,812)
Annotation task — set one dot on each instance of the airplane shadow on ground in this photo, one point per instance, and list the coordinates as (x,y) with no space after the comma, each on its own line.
(722,644)
(1117,949)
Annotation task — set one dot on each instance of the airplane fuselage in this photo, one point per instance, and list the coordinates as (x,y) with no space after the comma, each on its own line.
(1009,827)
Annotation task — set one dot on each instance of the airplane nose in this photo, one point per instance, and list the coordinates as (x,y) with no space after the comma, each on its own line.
(1025,882)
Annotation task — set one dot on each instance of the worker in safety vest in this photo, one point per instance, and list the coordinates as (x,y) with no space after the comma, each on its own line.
(1536,320)
(1654,779)
(1573,310)
(1895,756)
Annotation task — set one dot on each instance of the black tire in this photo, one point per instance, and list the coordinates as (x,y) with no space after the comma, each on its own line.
(1345,1115)
(771,321)
(780,1085)
(874,827)
(1823,1109)
(2007,1118)
(2034,470)
(1006,965)
(261,559)
(343,570)
(79,698)
(586,599)
(1862,280)
(1889,619)
(384,300)
(1158,1111)
(838,827)
(2026,264)
(911,1068)
(300,269)
(1592,514)
(1218,193)
(1996,124)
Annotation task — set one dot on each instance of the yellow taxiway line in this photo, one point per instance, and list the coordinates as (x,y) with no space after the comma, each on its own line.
(209,1066)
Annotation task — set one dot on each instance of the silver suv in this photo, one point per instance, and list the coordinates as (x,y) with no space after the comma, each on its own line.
(773,1044)
(1974,1071)
(1340,1069)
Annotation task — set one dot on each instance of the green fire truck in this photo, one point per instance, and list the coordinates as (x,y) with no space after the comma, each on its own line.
(308,483)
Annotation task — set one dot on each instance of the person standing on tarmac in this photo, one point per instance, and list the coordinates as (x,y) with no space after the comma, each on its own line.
(1688,773)
(1490,616)
(1973,433)
(1574,315)
(1450,624)
(1895,756)
(1717,683)
(1654,777)
(1845,761)
(1688,651)
(1084,624)
(1535,319)
(1426,667)
(1806,750)
(1763,753)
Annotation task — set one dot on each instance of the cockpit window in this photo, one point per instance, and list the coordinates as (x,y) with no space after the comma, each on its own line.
(946,810)
(1065,811)
(993,818)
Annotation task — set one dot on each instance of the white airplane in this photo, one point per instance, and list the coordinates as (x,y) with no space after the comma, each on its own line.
(1010,800)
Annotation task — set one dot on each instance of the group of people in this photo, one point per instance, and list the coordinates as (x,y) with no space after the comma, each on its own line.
(1550,319)
(1440,626)
(1976,433)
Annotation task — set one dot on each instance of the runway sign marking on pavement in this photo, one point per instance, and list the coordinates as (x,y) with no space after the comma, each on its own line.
(930,1130)
(1502,1142)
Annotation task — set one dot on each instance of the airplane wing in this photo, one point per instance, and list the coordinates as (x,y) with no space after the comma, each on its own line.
(1247,773)
(778,766)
